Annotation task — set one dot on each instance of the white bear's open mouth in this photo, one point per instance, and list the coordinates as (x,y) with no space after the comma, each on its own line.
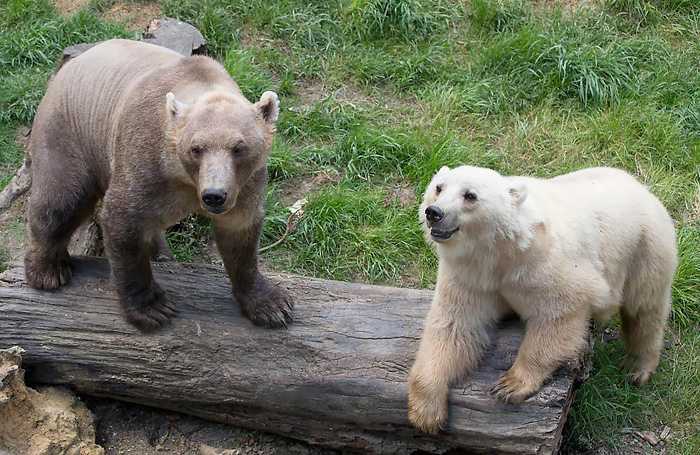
(440,234)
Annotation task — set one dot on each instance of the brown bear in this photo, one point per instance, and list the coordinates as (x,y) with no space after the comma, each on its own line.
(156,136)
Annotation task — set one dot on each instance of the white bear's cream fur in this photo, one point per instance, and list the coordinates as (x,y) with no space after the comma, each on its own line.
(556,252)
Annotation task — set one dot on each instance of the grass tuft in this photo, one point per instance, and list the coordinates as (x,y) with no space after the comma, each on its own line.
(564,61)
(11,155)
(408,20)
(189,238)
(355,237)
(40,43)
(686,287)
(499,15)
(251,79)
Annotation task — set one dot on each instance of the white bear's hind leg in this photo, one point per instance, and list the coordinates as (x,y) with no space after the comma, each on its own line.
(647,304)
(643,331)
(547,344)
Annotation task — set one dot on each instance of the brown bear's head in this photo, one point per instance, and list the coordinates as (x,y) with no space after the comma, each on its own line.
(222,140)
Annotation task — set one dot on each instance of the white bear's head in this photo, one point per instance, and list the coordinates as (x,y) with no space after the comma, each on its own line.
(470,203)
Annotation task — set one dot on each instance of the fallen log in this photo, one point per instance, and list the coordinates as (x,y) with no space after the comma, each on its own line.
(335,378)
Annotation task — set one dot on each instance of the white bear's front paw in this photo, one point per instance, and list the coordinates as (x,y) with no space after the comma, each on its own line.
(515,386)
(427,408)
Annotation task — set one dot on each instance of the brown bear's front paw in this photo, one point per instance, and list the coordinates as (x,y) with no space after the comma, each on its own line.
(267,305)
(427,410)
(148,310)
(43,275)
(514,387)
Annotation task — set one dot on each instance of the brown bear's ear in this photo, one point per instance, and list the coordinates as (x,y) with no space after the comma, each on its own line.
(268,106)
(519,193)
(174,106)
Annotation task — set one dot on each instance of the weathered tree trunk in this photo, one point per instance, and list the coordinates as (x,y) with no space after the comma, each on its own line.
(336,377)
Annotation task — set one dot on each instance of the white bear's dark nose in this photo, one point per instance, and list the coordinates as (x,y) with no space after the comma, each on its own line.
(434,214)
(214,197)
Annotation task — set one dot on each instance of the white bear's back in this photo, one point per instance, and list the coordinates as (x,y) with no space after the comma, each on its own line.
(606,218)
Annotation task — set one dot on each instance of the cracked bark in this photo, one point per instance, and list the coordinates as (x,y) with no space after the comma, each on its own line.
(317,381)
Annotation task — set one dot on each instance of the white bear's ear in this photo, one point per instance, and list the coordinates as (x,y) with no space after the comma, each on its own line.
(443,170)
(519,193)
(269,106)
(174,106)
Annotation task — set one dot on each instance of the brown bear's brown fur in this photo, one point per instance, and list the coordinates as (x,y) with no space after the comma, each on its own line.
(157,136)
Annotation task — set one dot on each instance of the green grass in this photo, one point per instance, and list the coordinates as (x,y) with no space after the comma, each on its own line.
(11,155)
(32,36)
(188,239)
(399,19)
(4,259)
(381,93)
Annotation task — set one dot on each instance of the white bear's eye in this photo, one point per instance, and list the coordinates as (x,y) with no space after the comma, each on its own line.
(196,151)
(470,196)
(438,189)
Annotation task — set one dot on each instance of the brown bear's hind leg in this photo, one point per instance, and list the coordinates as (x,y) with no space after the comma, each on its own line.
(160,251)
(56,209)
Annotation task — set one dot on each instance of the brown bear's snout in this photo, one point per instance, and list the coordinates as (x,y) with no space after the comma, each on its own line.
(214,199)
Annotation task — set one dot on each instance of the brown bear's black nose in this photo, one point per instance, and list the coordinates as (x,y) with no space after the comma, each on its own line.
(214,197)
(434,214)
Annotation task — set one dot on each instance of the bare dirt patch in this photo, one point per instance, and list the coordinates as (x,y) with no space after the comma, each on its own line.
(131,429)
(401,194)
(136,15)
(295,189)
(68,7)
(41,422)
(566,5)
(12,230)
(311,91)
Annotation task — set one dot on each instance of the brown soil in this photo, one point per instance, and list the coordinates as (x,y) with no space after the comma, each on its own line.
(400,194)
(311,91)
(131,429)
(12,219)
(136,16)
(68,7)
(298,188)
(12,230)
(566,5)
(41,422)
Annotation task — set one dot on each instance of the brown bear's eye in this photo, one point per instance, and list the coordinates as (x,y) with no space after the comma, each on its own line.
(438,189)
(469,196)
(239,150)
(196,151)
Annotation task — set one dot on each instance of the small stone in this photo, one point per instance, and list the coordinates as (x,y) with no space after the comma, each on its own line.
(665,433)
(648,436)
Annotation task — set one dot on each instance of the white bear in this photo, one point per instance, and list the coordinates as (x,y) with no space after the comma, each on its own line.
(554,251)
